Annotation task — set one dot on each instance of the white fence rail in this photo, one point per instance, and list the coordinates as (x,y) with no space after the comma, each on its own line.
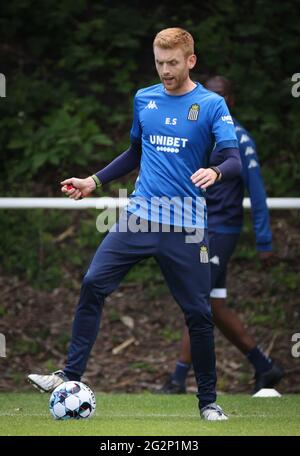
(103,203)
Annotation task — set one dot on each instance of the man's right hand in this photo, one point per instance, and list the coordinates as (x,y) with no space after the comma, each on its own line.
(80,187)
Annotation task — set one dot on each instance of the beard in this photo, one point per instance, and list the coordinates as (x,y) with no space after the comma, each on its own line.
(174,83)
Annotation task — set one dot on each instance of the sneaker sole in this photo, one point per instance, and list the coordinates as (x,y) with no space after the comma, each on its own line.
(36,386)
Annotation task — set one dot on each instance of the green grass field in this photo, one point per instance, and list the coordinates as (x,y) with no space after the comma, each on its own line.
(149,414)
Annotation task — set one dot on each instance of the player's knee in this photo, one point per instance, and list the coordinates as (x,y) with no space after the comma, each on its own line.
(199,318)
(88,280)
(91,282)
(95,283)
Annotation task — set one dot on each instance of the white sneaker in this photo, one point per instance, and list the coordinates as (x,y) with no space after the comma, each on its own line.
(213,412)
(47,383)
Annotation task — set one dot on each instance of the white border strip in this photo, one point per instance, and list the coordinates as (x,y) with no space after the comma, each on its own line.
(61,203)
(277,203)
(104,202)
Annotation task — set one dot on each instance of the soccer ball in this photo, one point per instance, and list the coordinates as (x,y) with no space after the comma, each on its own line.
(72,400)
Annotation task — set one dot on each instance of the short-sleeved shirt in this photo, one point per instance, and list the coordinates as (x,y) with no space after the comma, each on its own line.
(177,133)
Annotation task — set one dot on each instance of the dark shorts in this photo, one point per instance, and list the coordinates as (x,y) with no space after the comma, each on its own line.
(221,247)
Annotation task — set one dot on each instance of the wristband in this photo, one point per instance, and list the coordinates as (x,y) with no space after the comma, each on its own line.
(97,181)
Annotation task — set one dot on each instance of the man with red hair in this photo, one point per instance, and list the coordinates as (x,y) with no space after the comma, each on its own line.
(176,125)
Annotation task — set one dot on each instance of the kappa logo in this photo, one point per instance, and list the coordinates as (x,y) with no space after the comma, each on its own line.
(252,164)
(249,151)
(151,105)
(215,260)
(244,138)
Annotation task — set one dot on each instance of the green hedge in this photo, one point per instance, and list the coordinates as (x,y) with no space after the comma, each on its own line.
(72,68)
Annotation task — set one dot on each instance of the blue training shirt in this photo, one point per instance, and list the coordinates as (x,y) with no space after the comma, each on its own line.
(177,134)
(225,199)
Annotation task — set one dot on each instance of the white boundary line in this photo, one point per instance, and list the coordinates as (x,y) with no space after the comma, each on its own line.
(106,202)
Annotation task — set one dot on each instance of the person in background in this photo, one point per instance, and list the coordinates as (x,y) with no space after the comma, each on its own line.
(225,219)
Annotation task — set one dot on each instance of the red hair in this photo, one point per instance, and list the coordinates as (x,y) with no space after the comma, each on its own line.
(175,37)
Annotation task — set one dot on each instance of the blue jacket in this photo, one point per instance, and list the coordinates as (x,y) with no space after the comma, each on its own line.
(225,198)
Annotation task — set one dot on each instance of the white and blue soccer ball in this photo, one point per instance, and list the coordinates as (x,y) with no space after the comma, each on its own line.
(72,400)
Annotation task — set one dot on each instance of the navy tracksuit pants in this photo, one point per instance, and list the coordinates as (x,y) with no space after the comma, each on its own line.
(187,277)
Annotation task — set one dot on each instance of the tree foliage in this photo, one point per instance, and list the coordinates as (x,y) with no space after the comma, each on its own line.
(72,68)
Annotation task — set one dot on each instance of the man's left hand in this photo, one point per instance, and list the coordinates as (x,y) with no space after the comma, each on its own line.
(204,177)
